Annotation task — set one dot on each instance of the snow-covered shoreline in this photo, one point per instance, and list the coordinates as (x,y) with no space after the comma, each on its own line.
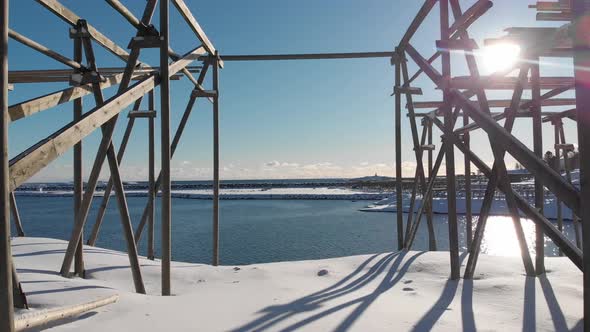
(237,194)
(439,206)
(407,291)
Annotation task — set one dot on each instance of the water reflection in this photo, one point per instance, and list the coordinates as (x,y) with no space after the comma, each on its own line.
(500,237)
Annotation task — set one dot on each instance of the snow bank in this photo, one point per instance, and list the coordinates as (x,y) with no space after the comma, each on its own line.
(440,206)
(384,292)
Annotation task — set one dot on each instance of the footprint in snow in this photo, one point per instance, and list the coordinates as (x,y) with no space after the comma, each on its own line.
(322,273)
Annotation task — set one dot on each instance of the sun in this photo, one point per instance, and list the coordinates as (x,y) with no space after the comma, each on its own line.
(498,57)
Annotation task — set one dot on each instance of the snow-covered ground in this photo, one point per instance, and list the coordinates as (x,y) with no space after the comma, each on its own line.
(254,193)
(383,292)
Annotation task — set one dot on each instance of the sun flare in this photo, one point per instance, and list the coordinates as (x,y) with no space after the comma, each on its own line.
(500,56)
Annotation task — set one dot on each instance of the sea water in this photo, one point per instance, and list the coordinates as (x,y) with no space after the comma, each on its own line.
(258,231)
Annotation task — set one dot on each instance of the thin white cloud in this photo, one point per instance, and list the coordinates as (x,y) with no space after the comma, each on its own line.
(277,169)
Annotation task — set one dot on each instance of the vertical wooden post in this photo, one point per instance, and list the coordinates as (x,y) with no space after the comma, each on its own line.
(450,153)
(216,163)
(417,183)
(429,213)
(467,166)
(152,179)
(557,139)
(78,183)
(16,216)
(568,175)
(6,300)
(418,153)
(538,149)
(581,11)
(398,152)
(165,146)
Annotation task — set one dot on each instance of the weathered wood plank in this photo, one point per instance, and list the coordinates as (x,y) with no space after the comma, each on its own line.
(38,104)
(43,49)
(165,155)
(71,18)
(6,289)
(194,25)
(307,56)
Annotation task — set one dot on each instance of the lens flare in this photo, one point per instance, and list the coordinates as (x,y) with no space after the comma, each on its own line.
(499,57)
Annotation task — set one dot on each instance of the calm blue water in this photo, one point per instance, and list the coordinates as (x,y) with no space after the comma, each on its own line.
(265,231)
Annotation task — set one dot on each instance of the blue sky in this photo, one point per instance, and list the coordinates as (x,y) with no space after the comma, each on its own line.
(287,119)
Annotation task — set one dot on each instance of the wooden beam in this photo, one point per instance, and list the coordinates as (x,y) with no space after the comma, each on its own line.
(38,104)
(216,165)
(6,290)
(470,15)
(43,50)
(126,13)
(166,199)
(508,83)
(141,114)
(538,150)
(450,153)
(151,179)
(398,157)
(27,322)
(418,19)
(194,25)
(504,103)
(77,165)
(72,79)
(571,114)
(308,56)
(581,36)
(105,71)
(555,164)
(72,19)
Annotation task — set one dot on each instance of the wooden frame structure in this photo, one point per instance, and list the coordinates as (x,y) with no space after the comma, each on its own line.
(466,97)
(85,77)
(462,96)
